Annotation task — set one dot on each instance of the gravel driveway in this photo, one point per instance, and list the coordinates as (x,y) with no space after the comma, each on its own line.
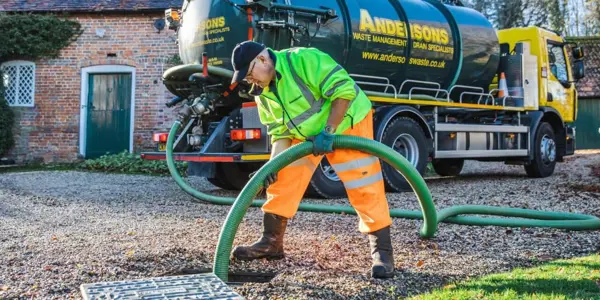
(59,230)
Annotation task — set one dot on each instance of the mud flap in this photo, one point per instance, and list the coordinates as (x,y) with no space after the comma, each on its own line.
(570,142)
(214,144)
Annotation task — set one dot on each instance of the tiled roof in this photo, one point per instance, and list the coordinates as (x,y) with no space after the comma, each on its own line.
(589,86)
(87,5)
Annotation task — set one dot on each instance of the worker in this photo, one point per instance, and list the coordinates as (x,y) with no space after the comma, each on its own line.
(303,94)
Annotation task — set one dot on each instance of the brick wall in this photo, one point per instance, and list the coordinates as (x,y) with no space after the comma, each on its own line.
(50,130)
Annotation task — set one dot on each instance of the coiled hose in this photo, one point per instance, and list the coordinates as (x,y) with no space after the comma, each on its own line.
(428,214)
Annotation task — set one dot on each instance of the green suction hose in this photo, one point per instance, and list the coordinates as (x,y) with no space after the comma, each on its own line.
(559,220)
(304,149)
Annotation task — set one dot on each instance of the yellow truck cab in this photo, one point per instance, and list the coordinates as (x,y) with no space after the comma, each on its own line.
(555,75)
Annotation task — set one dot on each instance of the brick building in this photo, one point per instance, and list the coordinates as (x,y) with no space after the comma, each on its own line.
(104,92)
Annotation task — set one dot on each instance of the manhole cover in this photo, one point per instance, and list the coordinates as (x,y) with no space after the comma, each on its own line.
(196,286)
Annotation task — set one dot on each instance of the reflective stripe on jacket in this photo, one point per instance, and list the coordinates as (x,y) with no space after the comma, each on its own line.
(298,103)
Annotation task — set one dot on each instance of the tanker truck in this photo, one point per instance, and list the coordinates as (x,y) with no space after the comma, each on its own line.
(445,85)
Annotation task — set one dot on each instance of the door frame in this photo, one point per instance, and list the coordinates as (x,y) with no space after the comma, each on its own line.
(83,111)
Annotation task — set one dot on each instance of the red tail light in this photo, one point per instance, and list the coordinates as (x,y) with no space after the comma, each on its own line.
(245,134)
(160,137)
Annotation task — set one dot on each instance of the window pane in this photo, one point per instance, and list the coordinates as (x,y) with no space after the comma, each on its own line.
(19,82)
(26,85)
(10,83)
(559,67)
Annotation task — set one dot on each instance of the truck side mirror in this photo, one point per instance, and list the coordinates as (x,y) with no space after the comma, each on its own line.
(579,69)
(578,52)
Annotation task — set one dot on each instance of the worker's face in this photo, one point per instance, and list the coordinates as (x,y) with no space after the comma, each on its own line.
(261,71)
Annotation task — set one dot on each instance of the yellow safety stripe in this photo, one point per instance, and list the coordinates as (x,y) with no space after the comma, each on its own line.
(355,164)
(358,183)
(256,157)
(446,104)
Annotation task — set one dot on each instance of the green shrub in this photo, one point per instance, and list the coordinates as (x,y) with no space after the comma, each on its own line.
(7,120)
(32,36)
(126,162)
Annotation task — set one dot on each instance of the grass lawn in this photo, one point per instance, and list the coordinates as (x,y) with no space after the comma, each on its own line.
(577,278)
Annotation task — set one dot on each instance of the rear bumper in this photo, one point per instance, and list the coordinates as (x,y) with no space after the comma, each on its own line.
(209,157)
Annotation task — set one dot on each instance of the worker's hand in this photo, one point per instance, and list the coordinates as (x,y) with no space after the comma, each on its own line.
(270,179)
(322,143)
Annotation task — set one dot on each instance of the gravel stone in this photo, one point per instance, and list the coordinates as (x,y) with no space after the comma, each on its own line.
(59,230)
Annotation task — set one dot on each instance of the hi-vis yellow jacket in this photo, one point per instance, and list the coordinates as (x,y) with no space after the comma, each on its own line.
(297,103)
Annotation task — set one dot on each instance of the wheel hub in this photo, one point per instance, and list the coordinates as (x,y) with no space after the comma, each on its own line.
(328,171)
(548,150)
(407,146)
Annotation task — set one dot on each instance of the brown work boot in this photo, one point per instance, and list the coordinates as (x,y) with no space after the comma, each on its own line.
(270,245)
(381,253)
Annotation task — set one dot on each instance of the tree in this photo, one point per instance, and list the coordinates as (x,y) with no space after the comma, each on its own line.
(592,18)
(582,17)
(556,12)
(567,17)
(513,13)
(484,7)
(509,13)
(536,12)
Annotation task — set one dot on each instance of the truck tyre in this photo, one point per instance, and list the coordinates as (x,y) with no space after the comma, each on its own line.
(220,184)
(404,135)
(325,183)
(448,167)
(544,152)
(220,179)
(233,176)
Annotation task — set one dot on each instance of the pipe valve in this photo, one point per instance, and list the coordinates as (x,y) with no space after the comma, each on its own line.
(201,105)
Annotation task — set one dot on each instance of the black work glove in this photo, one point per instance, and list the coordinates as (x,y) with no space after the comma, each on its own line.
(270,179)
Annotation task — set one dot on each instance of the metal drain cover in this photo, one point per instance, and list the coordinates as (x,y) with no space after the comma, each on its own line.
(196,286)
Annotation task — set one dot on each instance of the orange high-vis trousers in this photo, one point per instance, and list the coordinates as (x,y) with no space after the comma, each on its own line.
(360,173)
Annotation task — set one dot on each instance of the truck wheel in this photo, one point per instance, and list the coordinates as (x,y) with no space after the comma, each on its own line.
(406,137)
(233,176)
(325,183)
(448,167)
(544,152)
